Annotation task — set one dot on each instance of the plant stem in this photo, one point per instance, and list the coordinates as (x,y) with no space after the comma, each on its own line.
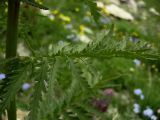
(12,28)
(11,44)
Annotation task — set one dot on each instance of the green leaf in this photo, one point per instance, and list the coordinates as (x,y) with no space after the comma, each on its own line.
(12,84)
(39,89)
(46,105)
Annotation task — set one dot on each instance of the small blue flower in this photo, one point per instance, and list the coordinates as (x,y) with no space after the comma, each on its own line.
(26,86)
(138,91)
(153,117)
(69,26)
(142,97)
(134,39)
(2,76)
(61,43)
(87,19)
(104,20)
(137,62)
(71,36)
(136,108)
(136,105)
(148,112)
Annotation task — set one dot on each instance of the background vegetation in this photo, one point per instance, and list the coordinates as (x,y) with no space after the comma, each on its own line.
(83,60)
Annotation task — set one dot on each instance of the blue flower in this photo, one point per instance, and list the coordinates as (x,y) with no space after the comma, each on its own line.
(136,105)
(2,76)
(142,97)
(137,62)
(26,86)
(153,117)
(134,39)
(136,108)
(138,91)
(87,19)
(148,112)
(69,26)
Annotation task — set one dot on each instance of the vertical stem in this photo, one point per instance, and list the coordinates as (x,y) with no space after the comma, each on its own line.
(11,111)
(11,44)
(12,28)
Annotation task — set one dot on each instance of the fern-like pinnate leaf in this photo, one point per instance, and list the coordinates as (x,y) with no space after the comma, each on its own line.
(38,91)
(9,88)
(62,89)
(75,85)
(104,45)
(46,105)
(75,90)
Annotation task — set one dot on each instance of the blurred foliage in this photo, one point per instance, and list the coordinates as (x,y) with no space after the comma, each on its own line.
(153,3)
(76,53)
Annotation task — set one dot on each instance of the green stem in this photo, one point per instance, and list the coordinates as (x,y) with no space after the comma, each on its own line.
(11,44)
(12,28)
